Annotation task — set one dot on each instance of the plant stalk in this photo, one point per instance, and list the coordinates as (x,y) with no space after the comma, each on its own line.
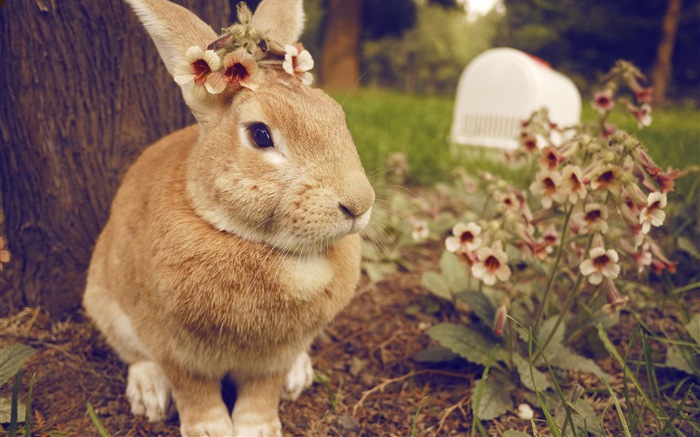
(552,272)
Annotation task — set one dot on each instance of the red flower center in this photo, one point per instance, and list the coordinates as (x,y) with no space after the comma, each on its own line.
(237,72)
(593,216)
(575,182)
(492,263)
(201,70)
(601,261)
(607,177)
(466,237)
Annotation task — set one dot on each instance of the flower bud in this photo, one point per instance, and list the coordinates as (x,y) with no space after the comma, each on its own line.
(499,321)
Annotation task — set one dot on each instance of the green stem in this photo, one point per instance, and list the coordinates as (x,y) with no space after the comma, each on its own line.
(552,272)
(567,305)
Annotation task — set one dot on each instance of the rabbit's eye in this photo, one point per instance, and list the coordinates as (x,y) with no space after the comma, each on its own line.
(260,135)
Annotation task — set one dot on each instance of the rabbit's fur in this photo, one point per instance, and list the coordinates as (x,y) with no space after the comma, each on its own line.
(223,259)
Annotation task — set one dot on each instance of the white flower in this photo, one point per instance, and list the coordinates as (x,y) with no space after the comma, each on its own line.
(465,238)
(547,185)
(572,186)
(200,67)
(606,177)
(240,69)
(492,264)
(653,214)
(421,231)
(643,115)
(298,62)
(593,218)
(600,263)
(525,411)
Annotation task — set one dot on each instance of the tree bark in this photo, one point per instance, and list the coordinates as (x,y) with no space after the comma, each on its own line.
(340,58)
(83,91)
(661,72)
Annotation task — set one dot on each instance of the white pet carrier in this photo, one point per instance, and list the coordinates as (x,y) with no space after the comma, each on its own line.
(503,86)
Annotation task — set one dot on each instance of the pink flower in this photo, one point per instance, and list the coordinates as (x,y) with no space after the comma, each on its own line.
(642,257)
(298,62)
(499,321)
(528,141)
(492,264)
(642,113)
(200,67)
(603,101)
(550,158)
(593,218)
(240,70)
(465,238)
(616,301)
(546,186)
(653,214)
(601,263)
(643,95)
(572,186)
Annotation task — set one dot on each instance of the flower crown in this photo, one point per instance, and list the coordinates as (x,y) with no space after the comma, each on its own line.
(233,60)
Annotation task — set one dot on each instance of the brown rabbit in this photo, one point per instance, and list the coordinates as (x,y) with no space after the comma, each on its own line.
(233,242)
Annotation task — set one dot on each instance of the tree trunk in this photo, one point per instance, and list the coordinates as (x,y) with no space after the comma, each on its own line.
(83,92)
(661,73)
(340,59)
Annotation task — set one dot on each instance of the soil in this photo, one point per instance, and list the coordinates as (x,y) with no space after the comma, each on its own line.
(371,385)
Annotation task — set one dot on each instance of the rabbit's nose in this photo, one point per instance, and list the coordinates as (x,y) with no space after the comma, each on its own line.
(358,197)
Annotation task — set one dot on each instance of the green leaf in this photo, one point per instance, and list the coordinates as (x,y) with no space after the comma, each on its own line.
(686,245)
(565,358)
(545,331)
(12,358)
(678,358)
(693,328)
(466,342)
(526,375)
(454,272)
(585,417)
(480,304)
(435,354)
(495,399)
(376,270)
(6,409)
(436,284)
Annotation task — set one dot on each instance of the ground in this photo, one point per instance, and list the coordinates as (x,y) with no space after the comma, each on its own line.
(370,384)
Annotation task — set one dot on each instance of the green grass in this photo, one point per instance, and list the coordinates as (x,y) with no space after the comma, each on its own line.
(383,122)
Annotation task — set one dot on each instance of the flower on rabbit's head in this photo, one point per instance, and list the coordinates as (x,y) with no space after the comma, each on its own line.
(240,69)
(233,60)
(298,62)
(200,67)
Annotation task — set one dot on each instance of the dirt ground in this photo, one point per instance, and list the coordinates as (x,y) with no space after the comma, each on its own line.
(371,386)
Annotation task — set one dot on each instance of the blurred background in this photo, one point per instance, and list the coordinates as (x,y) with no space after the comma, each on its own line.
(423,45)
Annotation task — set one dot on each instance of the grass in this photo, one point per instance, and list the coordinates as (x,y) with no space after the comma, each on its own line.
(383,122)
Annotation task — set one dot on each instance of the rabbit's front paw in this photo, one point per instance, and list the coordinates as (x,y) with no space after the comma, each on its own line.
(272,428)
(221,426)
(299,377)
(148,391)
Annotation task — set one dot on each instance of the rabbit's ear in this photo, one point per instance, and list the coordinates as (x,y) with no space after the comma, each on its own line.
(281,20)
(174,31)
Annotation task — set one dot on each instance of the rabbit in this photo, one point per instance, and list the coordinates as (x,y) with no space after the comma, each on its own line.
(231,243)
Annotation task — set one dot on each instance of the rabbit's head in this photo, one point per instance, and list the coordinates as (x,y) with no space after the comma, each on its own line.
(274,161)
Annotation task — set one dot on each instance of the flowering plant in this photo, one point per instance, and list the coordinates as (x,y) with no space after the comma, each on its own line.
(233,60)
(578,233)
